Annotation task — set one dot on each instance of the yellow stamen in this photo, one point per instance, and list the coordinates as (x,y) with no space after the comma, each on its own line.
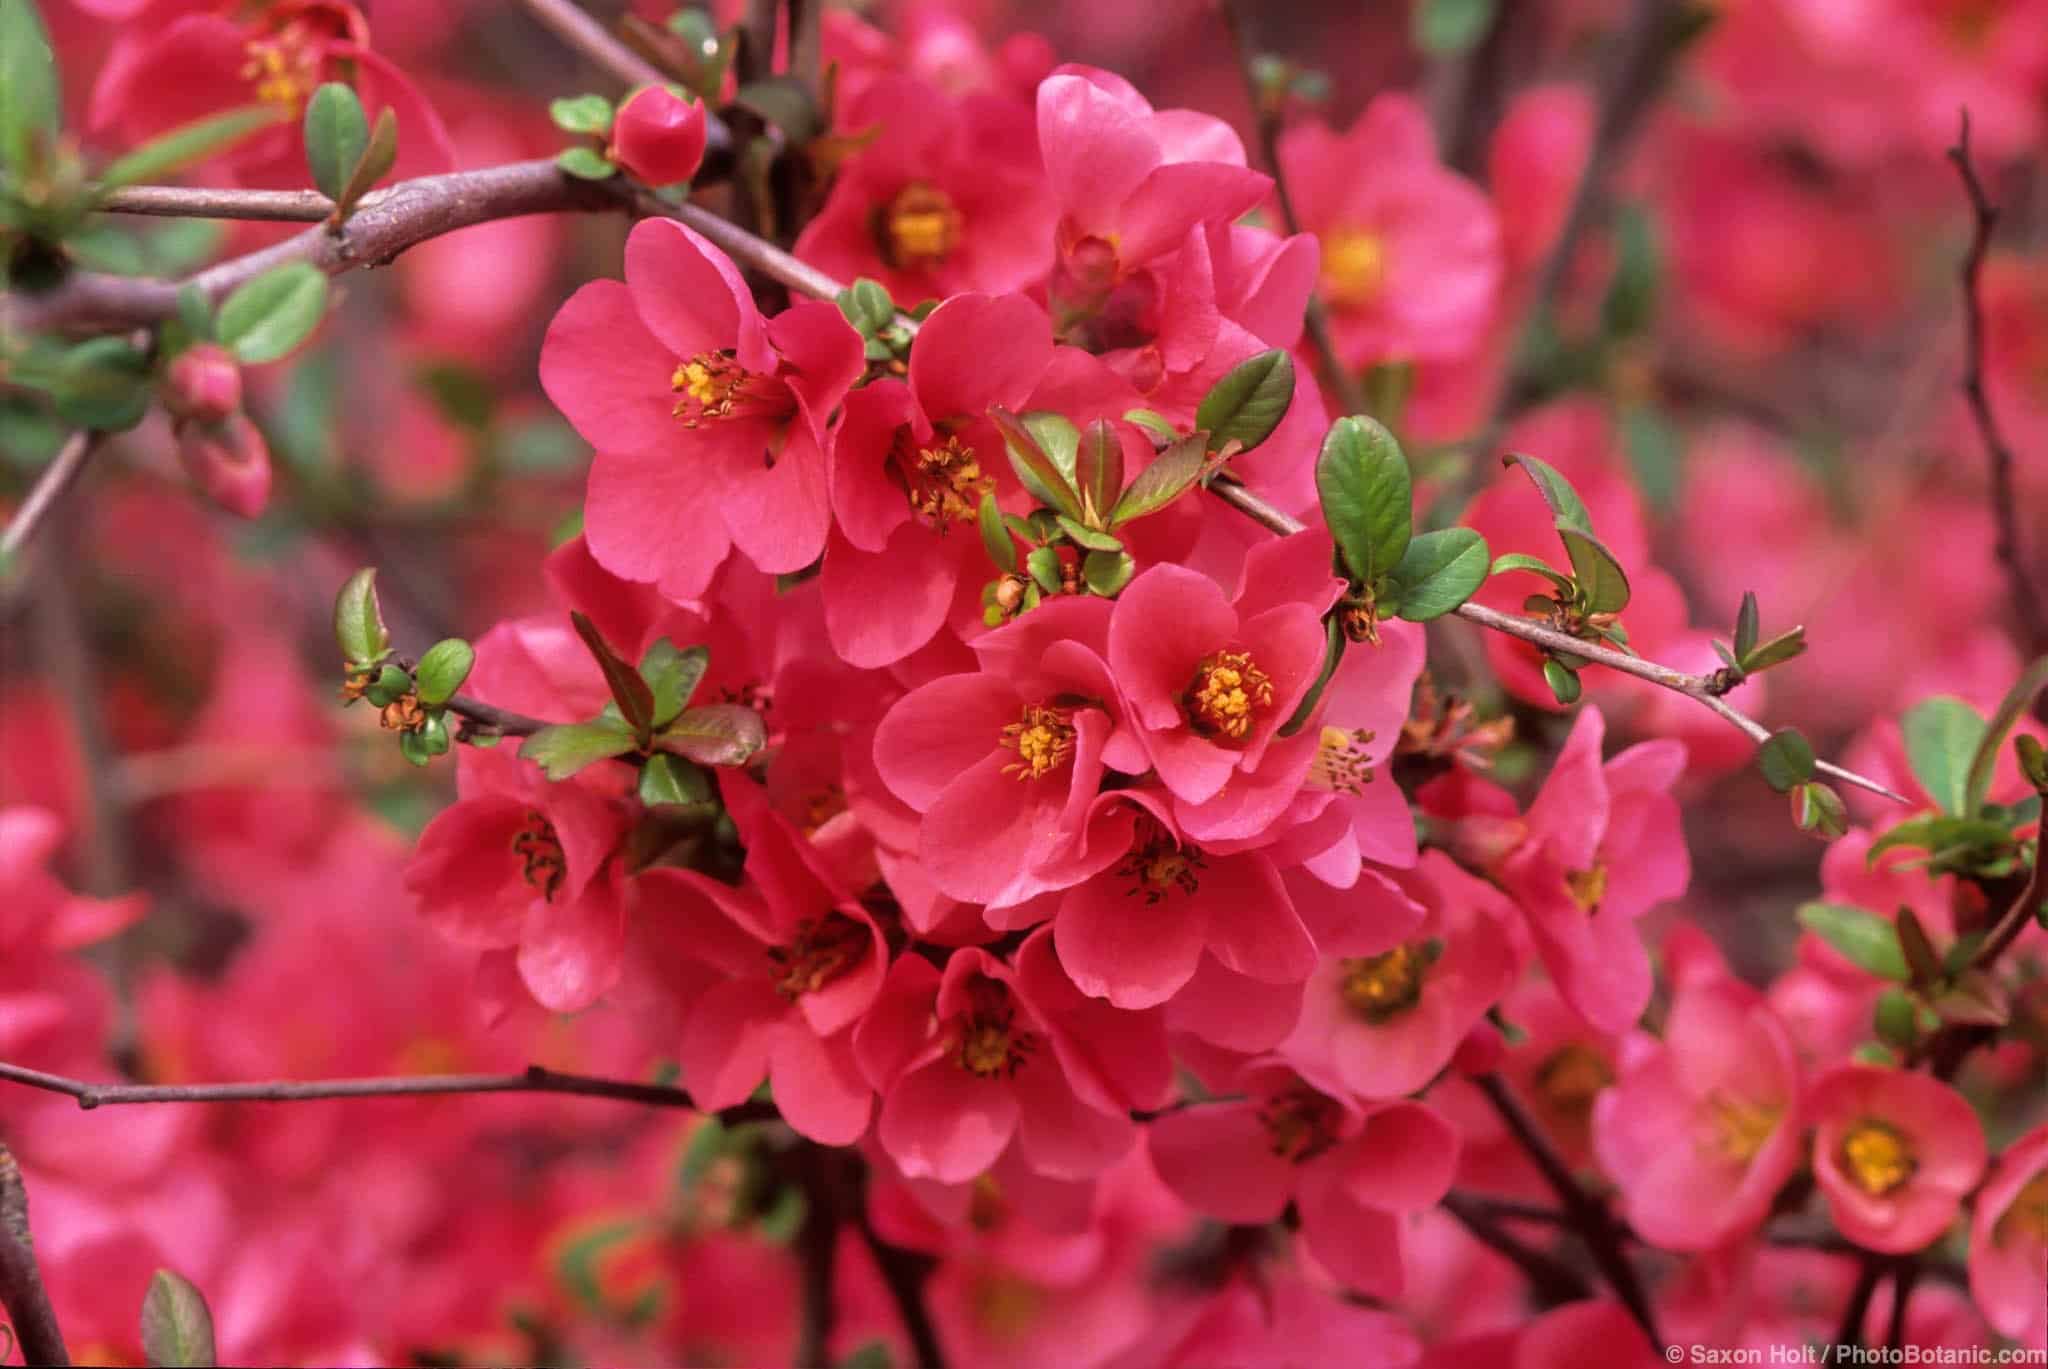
(1354,266)
(1301,1123)
(920,227)
(1741,1127)
(1158,865)
(1571,1077)
(1340,764)
(283,68)
(709,386)
(1380,987)
(2028,1216)
(822,950)
(540,852)
(989,1042)
(1005,1304)
(1227,697)
(1877,1157)
(1588,887)
(944,481)
(1044,742)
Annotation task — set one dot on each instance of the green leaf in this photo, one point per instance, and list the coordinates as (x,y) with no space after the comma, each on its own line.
(268,317)
(585,163)
(1654,451)
(1631,303)
(673,674)
(671,779)
(1439,571)
(995,534)
(195,312)
(1557,491)
(786,103)
(582,114)
(186,144)
(177,1328)
(359,620)
(1099,469)
(1333,652)
(1107,572)
(715,734)
(102,383)
(1446,28)
(1044,565)
(1248,402)
(1786,758)
(1818,809)
(377,160)
(1984,760)
(1601,579)
(1777,651)
(867,306)
(1942,736)
(1746,625)
(392,684)
(1153,422)
(1894,1019)
(1935,832)
(563,750)
(1536,565)
(337,132)
(2033,761)
(443,668)
(1059,439)
(1035,468)
(31,102)
(632,694)
(1562,679)
(1918,950)
(1864,939)
(1172,473)
(1368,500)
(1084,536)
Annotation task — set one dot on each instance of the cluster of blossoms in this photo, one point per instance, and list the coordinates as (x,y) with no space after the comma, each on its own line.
(1019,856)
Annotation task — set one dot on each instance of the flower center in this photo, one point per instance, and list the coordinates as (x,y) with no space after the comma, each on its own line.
(1158,865)
(543,865)
(822,950)
(712,386)
(944,481)
(1227,696)
(2028,1215)
(1588,887)
(1044,742)
(1877,1157)
(283,67)
(1381,987)
(823,806)
(1741,1127)
(1354,266)
(989,1042)
(1340,764)
(986,1206)
(920,226)
(1301,1123)
(1005,1304)
(1571,1077)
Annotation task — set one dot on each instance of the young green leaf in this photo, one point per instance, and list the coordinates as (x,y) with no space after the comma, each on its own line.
(995,534)
(1439,571)
(672,674)
(1985,759)
(1786,759)
(1333,652)
(337,132)
(186,144)
(195,312)
(590,114)
(1535,565)
(715,734)
(1865,940)
(1107,572)
(1172,473)
(1081,535)
(1153,422)
(1631,303)
(102,383)
(1058,438)
(1777,651)
(1368,501)
(1601,579)
(1937,832)
(562,750)
(1044,565)
(1746,625)
(267,318)
(585,164)
(671,779)
(429,740)
(1447,28)
(1248,402)
(377,160)
(1557,491)
(632,694)
(2033,760)
(31,103)
(1044,479)
(443,668)
(359,620)
(177,1328)
(392,684)
(1818,809)
(1562,679)
(1099,469)
(1920,955)
(1942,734)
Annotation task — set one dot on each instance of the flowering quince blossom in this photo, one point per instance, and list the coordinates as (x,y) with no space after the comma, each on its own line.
(1894,1152)
(2009,1240)
(658,136)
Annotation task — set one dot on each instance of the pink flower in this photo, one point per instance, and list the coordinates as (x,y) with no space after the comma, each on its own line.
(2009,1241)
(1259,1319)
(518,861)
(658,136)
(1894,1151)
(37,910)
(1703,1129)
(1411,263)
(796,961)
(1388,1006)
(1352,1173)
(1560,1067)
(1603,847)
(1534,163)
(964,1061)
(710,421)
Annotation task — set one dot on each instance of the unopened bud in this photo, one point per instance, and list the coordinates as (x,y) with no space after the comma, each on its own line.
(658,137)
(1010,593)
(229,461)
(203,384)
(1480,1051)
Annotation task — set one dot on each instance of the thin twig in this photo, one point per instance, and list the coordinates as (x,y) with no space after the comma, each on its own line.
(56,478)
(904,1272)
(503,721)
(1350,398)
(1511,1209)
(2004,499)
(1550,1279)
(569,22)
(1588,1215)
(534,1079)
(1857,1310)
(1699,688)
(21,1282)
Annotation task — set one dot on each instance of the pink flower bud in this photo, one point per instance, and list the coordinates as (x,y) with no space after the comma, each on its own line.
(1480,1051)
(228,460)
(203,384)
(659,138)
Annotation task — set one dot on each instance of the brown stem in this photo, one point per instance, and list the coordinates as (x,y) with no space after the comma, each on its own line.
(905,1273)
(2004,500)
(1588,1216)
(569,22)
(1550,1279)
(56,478)
(21,1282)
(503,721)
(1857,1310)
(1350,399)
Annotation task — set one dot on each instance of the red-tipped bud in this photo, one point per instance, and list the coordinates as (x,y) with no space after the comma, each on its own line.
(203,384)
(1480,1051)
(659,138)
(229,461)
